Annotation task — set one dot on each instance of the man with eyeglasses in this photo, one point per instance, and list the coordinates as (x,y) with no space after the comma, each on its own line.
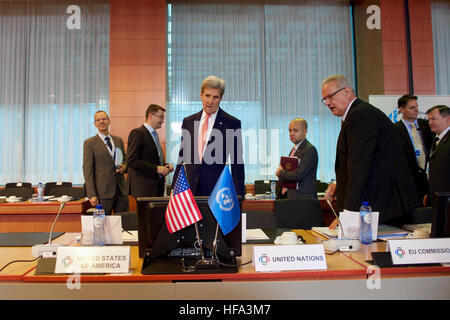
(146,167)
(369,163)
(105,182)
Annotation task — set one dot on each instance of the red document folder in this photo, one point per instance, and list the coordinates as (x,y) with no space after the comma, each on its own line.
(289,164)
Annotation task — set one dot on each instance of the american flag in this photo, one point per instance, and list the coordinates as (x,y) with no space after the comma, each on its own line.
(182,209)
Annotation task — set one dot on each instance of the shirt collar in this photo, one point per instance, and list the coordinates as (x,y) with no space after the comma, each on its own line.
(410,123)
(348,108)
(102,136)
(443,133)
(149,128)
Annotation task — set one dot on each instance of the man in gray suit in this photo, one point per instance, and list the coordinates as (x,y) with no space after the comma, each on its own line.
(305,174)
(105,183)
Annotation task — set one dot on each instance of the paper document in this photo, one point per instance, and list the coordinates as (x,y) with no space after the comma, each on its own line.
(387,232)
(130,236)
(256,234)
(351,223)
(325,231)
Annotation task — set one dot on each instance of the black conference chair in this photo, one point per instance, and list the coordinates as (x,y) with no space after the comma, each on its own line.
(420,215)
(321,186)
(261,187)
(50,186)
(18,185)
(129,220)
(74,192)
(25,193)
(298,213)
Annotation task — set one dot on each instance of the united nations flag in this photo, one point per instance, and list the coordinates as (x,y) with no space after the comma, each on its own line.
(223,202)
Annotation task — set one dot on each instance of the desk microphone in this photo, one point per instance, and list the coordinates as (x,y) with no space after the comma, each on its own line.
(48,249)
(340,244)
(334,212)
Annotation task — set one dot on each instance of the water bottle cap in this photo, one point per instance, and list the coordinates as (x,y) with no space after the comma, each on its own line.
(365,203)
(99,206)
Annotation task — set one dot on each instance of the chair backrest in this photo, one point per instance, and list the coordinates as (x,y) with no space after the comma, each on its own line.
(129,220)
(25,193)
(298,213)
(18,185)
(321,186)
(261,186)
(74,192)
(50,186)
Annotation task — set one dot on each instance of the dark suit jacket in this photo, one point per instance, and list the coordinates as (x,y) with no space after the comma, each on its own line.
(305,174)
(370,165)
(142,163)
(440,167)
(225,140)
(420,176)
(99,169)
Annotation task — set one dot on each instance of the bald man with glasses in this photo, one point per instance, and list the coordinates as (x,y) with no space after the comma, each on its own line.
(369,163)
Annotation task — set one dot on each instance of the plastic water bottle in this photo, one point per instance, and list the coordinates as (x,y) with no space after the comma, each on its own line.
(40,190)
(98,237)
(273,185)
(365,212)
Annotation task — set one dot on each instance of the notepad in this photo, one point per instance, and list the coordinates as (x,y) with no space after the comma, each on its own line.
(256,234)
(327,232)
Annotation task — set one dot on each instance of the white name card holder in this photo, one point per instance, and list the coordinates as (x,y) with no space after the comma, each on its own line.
(419,251)
(114,259)
(289,257)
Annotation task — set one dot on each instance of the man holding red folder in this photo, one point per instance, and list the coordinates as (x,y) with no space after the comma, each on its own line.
(298,178)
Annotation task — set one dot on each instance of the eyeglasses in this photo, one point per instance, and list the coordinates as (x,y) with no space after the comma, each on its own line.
(161,117)
(331,95)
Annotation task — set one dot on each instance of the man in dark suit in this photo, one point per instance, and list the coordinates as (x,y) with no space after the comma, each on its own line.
(210,139)
(305,174)
(146,167)
(417,139)
(439,174)
(105,183)
(369,163)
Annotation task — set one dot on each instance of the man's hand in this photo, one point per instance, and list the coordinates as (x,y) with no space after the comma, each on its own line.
(93,201)
(163,170)
(121,168)
(330,192)
(278,170)
(170,167)
(334,224)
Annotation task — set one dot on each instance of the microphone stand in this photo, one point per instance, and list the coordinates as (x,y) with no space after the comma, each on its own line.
(63,203)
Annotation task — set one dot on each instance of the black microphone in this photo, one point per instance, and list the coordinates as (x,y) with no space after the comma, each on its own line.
(63,203)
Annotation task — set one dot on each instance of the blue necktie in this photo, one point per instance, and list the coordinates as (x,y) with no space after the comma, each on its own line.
(155,135)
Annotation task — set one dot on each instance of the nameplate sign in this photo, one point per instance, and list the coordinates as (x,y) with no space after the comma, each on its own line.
(93,259)
(289,257)
(420,251)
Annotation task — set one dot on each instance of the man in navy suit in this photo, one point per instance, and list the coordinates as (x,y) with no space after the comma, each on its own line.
(146,167)
(210,139)
(305,174)
(417,140)
(369,163)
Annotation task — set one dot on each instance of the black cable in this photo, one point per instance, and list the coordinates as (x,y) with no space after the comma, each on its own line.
(15,261)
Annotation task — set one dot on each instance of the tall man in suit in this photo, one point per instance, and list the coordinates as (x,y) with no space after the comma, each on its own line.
(439,174)
(369,163)
(305,174)
(146,167)
(105,183)
(417,139)
(210,139)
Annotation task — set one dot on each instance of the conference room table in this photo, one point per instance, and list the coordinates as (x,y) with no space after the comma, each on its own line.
(349,275)
(28,216)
